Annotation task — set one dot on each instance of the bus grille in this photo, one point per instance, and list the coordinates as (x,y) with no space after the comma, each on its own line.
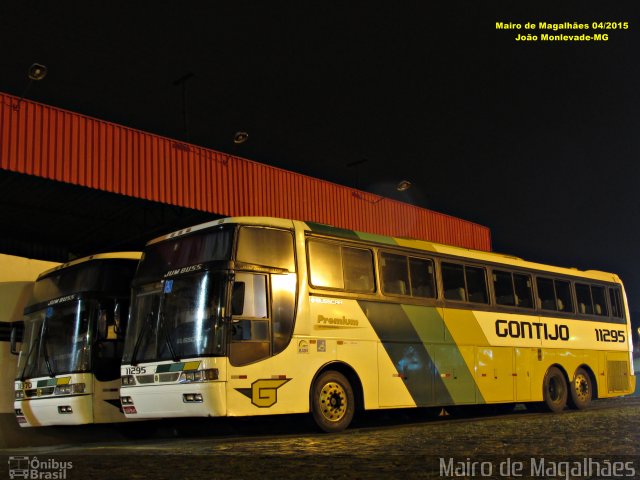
(158,377)
(39,392)
(618,380)
(169,377)
(143,379)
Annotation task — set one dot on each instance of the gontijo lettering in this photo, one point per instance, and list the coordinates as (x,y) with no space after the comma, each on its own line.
(533,330)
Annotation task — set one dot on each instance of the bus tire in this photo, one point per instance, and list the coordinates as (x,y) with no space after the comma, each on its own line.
(581,389)
(555,390)
(332,402)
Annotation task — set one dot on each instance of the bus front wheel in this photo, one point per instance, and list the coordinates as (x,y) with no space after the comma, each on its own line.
(581,389)
(554,390)
(332,402)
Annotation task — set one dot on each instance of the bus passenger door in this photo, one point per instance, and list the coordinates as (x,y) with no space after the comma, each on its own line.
(250,322)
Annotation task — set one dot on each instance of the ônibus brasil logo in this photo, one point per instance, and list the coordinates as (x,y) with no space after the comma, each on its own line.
(33,468)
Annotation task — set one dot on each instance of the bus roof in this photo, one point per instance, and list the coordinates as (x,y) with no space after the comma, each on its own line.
(408,243)
(467,253)
(98,256)
(268,221)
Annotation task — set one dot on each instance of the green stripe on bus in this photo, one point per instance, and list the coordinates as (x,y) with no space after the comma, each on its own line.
(350,234)
(47,383)
(372,237)
(170,367)
(407,352)
(334,231)
(448,359)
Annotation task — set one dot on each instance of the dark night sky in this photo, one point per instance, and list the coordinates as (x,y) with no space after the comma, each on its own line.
(537,141)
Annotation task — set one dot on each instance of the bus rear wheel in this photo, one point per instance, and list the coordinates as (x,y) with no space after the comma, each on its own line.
(581,389)
(554,390)
(332,402)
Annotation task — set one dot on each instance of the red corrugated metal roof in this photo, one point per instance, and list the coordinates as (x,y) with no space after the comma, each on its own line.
(49,142)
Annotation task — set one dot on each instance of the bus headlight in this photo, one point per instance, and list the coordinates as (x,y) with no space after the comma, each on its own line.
(127,380)
(71,389)
(199,376)
(19,394)
(78,388)
(63,390)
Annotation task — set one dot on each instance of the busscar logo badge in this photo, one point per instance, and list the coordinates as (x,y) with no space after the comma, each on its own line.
(264,392)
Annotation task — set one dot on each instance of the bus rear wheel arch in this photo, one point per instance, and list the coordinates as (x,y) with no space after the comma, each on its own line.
(555,390)
(581,389)
(333,401)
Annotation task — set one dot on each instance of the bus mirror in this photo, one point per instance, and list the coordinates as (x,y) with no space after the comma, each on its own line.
(117,319)
(102,325)
(237,299)
(17,330)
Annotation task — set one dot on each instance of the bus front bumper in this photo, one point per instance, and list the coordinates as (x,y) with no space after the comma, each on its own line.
(176,400)
(64,410)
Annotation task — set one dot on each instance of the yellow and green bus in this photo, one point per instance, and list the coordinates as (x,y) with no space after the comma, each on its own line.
(68,370)
(253,316)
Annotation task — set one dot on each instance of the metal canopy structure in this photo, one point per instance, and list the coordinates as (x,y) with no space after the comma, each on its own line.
(71,185)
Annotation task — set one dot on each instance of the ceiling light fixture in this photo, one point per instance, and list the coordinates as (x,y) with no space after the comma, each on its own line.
(403,186)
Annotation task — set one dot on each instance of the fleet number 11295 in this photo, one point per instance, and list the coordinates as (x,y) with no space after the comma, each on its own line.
(605,335)
(135,370)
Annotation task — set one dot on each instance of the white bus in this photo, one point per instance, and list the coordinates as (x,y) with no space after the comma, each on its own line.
(68,369)
(254,316)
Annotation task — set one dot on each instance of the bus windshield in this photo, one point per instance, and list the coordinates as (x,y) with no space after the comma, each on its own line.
(57,340)
(208,246)
(177,318)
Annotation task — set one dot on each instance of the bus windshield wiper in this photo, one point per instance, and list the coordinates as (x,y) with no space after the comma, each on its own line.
(45,353)
(136,347)
(26,361)
(167,339)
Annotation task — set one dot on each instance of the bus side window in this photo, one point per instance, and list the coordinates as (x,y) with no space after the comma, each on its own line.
(453,282)
(524,295)
(599,301)
(266,246)
(583,297)
(476,284)
(394,274)
(546,294)
(564,302)
(503,288)
(357,265)
(325,264)
(616,302)
(422,281)
(237,298)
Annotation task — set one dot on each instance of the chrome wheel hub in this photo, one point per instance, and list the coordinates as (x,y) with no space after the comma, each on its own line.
(333,402)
